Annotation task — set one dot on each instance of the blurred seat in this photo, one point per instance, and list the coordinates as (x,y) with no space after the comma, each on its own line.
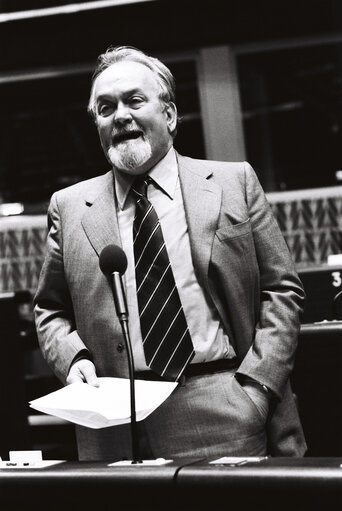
(13,408)
(337,306)
(24,376)
(317,383)
(323,285)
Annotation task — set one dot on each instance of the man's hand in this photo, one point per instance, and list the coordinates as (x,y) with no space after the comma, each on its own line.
(83,371)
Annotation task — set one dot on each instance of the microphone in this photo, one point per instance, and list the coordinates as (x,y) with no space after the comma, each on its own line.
(113,264)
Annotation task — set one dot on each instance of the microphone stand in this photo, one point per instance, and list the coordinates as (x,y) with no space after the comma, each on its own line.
(123,318)
(122,313)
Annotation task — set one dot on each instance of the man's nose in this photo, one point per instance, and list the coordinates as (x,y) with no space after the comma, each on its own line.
(122,113)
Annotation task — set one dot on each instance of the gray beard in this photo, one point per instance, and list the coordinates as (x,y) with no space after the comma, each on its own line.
(129,155)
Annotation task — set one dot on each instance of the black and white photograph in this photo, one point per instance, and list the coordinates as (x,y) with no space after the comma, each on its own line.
(170,255)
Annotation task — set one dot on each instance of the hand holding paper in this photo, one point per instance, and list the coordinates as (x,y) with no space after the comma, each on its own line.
(106,405)
(83,370)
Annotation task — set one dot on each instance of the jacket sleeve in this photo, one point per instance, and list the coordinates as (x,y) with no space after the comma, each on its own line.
(270,358)
(55,324)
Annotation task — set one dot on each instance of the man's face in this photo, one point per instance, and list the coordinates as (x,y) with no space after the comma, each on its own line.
(134,125)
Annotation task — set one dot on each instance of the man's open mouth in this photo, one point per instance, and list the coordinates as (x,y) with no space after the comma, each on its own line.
(127,135)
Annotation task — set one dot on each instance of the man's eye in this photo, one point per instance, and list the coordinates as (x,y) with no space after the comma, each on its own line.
(135,100)
(105,110)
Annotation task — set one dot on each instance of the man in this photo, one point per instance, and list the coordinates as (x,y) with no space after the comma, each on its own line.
(235,291)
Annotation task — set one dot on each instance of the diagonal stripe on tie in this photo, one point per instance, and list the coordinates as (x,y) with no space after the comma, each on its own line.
(166,339)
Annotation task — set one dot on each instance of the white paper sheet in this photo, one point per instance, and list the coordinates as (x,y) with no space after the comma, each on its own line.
(235,461)
(106,405)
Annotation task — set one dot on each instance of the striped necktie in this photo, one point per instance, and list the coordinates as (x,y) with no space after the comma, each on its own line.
(166,339)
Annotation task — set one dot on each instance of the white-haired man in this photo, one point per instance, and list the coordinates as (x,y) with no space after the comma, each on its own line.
(235,299)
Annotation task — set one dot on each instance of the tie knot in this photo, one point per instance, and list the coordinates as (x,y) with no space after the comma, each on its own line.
(140,184)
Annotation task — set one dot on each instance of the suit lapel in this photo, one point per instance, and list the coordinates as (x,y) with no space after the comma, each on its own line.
(100,221)
(202,203)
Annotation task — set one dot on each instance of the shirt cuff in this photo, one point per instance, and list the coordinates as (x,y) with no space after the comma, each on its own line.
(80,355)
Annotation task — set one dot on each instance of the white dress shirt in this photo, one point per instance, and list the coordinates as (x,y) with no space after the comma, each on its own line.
(207,334)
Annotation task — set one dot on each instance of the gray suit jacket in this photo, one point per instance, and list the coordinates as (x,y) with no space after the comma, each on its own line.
(239,256)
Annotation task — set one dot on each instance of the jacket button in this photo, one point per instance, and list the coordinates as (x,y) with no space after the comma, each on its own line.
(120,347)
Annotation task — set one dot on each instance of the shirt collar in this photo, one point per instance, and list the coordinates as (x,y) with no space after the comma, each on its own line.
(164,173)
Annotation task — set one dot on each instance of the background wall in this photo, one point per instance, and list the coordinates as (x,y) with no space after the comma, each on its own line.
(256,79)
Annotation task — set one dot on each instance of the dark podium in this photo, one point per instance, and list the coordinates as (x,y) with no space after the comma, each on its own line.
(191,485)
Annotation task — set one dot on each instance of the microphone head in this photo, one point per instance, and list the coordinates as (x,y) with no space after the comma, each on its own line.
(113,259)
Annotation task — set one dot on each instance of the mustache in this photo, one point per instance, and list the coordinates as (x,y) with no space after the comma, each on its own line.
(126,134)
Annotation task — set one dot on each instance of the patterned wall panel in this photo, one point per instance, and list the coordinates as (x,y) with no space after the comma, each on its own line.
(311,222)
(22,250)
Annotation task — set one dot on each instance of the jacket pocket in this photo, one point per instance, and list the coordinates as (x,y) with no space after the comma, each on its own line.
(234,231)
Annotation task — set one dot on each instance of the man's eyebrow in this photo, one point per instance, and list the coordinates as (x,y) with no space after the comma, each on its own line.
(103,97)
(107,96)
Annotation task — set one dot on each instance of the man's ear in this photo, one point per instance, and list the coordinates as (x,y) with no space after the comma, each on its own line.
(171,112)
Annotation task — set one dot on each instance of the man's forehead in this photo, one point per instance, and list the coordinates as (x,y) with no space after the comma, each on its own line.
(125,74)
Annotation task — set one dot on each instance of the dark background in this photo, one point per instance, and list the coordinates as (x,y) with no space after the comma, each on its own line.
(291,97)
